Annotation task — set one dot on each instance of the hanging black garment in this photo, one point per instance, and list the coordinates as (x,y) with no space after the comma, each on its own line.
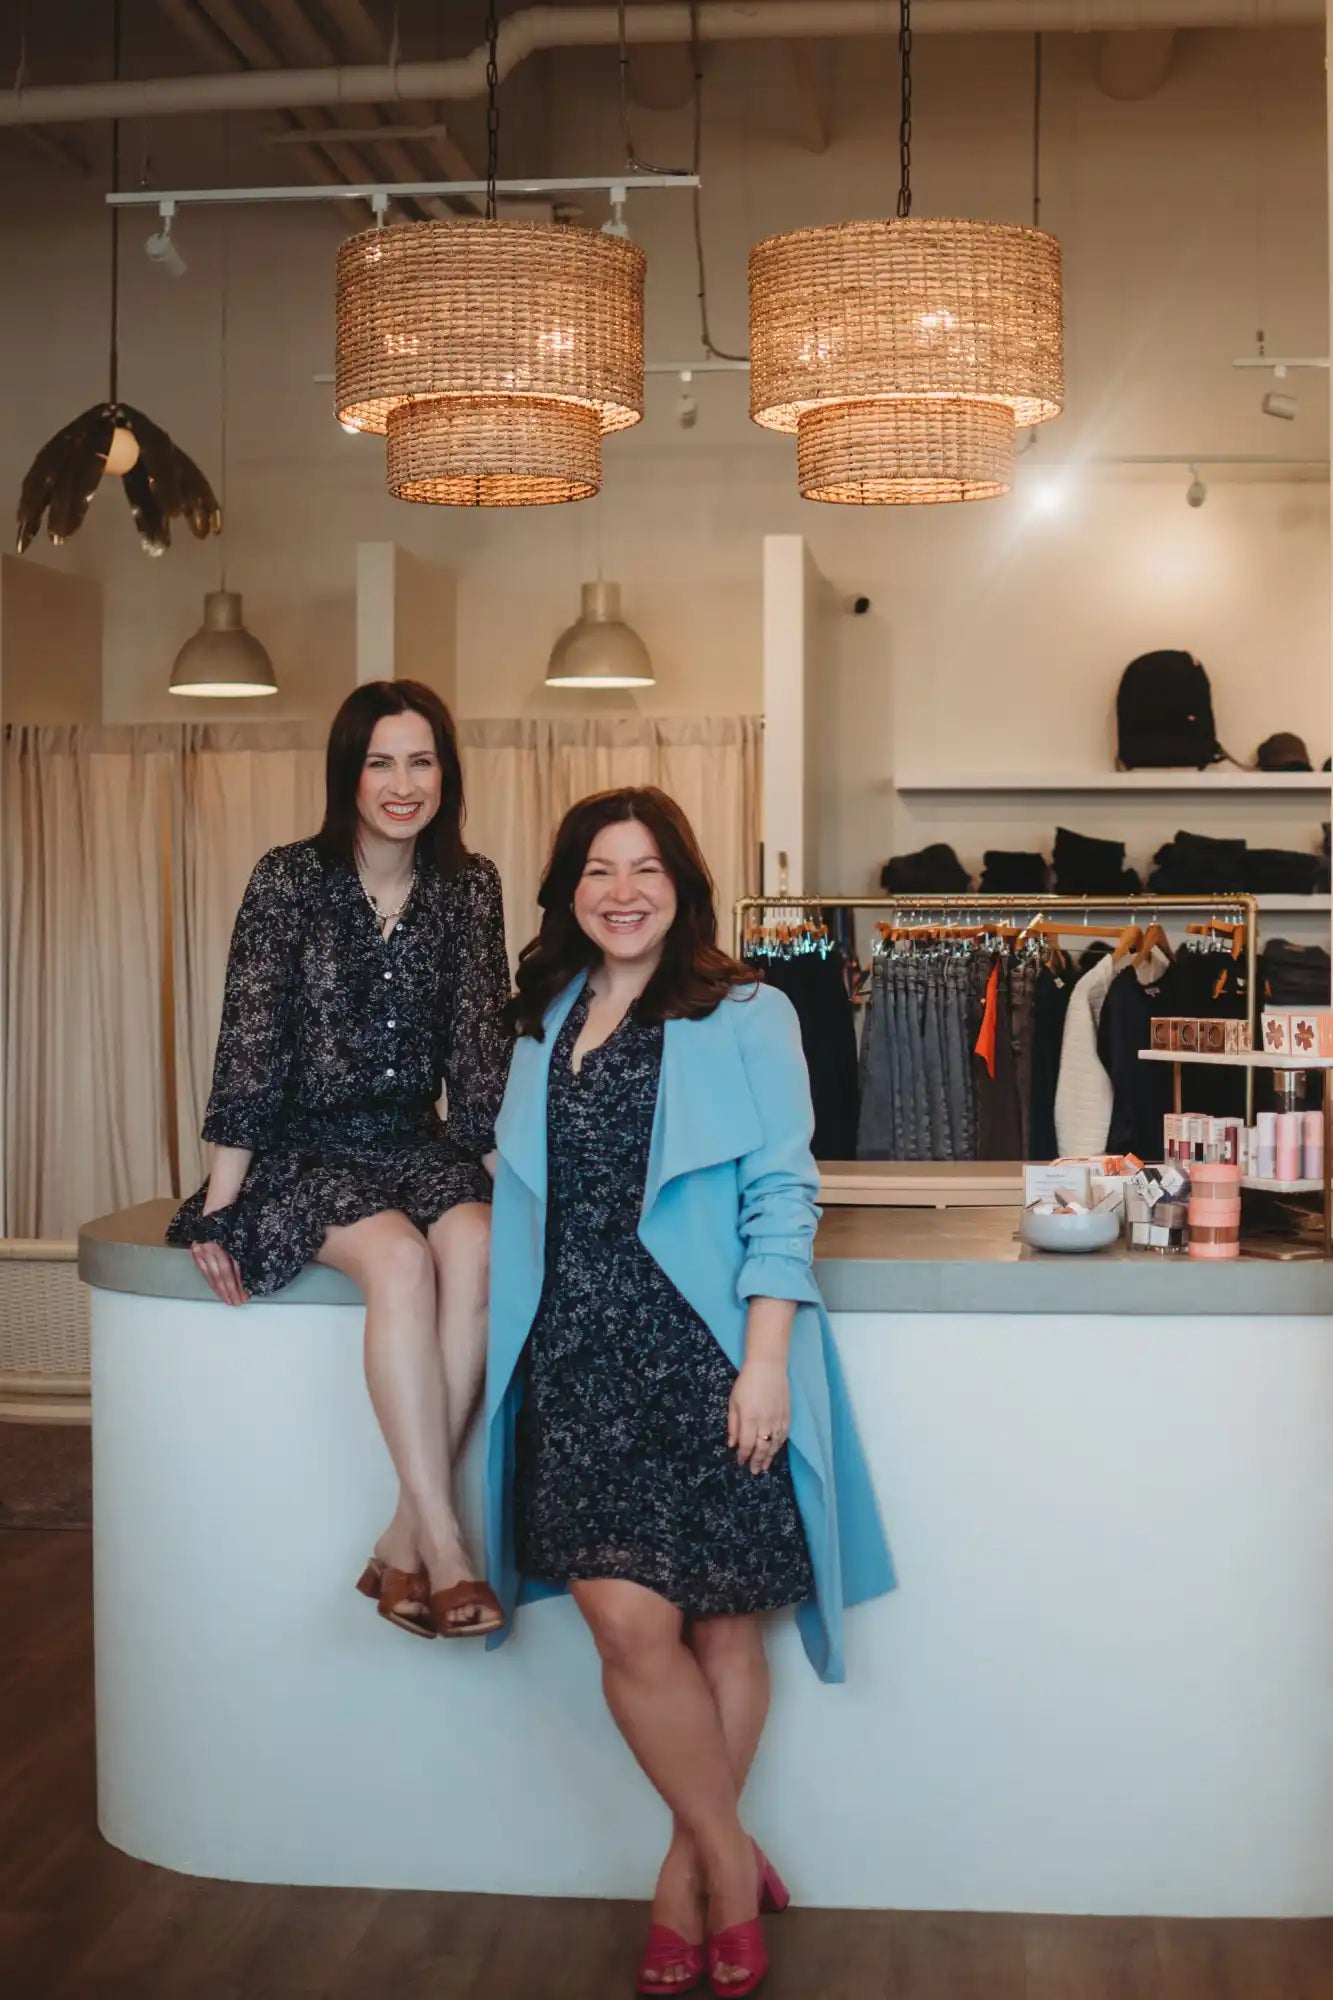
(1050,1004)
(1207,985)
(817,988)
(999,1108)
(1142,1090)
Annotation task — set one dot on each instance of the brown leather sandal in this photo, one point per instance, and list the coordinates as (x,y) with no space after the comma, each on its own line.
(403,1596)
(464,1597)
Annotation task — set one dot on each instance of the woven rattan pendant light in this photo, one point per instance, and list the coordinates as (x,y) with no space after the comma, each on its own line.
(905,354)
(494,355)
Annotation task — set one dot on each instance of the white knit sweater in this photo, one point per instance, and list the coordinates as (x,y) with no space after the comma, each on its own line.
(1084,1097)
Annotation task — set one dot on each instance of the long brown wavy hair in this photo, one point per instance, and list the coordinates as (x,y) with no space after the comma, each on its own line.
(695,974)
(349,742)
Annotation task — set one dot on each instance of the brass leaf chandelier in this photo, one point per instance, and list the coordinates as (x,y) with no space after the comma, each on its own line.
(905,354)
(493,355)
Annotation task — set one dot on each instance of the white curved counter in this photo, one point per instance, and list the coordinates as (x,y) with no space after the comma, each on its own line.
(1105,1685)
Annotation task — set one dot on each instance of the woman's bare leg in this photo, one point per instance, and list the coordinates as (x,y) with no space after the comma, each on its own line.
(460,1243)
(665,1710)
(392,1263)
(731,1657)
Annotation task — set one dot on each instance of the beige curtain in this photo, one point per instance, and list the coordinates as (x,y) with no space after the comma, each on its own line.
(238,793)
(85,1096)
(523,776)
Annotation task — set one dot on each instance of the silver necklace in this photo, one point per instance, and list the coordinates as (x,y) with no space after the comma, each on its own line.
(386,917)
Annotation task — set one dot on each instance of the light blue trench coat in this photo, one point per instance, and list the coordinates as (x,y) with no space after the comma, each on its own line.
(729,1213)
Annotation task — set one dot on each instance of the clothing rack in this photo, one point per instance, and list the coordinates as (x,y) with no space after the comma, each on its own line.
(1221,909)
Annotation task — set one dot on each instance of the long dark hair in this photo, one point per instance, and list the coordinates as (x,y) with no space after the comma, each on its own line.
(349,741)
(695,973)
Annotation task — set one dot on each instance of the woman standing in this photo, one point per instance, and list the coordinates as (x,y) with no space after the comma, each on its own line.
(668,1431)
(367,965)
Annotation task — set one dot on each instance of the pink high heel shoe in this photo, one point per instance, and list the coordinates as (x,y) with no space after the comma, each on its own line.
(666,1951)
(773,1896)
(743,1945)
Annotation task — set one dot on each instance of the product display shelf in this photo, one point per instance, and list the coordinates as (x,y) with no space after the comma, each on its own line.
(1258,1186)
(1120,781)
(1249,1059)
(1256,1059)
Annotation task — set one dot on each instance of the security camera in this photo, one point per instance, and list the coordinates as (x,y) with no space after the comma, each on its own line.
(161,250)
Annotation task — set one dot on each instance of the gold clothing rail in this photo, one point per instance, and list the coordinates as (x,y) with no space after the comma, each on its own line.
(1038,909)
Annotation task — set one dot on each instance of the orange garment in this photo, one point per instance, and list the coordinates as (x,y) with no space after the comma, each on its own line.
(989,1016)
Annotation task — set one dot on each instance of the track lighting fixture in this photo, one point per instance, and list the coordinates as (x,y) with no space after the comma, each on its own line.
(1196,492)
(1278,404)
(687,407)
(161,248)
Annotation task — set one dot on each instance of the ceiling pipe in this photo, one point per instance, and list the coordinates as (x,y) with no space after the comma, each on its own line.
(296,36)
(544,27)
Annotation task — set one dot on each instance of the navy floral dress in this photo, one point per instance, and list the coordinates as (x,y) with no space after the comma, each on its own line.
(333,1046)
(623,1468)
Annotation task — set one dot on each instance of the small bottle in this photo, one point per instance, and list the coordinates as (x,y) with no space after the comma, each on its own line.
(1312,1145)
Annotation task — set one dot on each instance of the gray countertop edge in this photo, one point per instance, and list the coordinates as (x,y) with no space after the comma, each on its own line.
(1136,1287)
(1094,1287)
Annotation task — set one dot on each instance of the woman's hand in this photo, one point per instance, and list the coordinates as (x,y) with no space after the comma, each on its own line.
(759,1414)
(222,1272)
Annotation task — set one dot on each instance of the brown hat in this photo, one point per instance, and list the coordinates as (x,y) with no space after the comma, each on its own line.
(1284,753)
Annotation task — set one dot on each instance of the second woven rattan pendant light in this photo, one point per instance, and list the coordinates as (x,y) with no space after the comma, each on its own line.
(494,355)
(905,354)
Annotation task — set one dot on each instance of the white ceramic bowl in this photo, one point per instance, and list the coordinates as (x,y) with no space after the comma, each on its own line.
(1072,1234)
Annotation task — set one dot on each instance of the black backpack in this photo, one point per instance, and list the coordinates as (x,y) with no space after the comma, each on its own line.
(1164,714)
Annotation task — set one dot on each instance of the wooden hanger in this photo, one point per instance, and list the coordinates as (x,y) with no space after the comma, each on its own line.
(1154,939)
(1130,940)
(1216,928)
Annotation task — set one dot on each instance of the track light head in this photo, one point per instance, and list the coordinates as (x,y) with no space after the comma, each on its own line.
(162,250)
(1278,404)
(1196,492)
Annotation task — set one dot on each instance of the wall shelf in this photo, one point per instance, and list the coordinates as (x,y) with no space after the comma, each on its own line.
(1194,782)
(1252,1059)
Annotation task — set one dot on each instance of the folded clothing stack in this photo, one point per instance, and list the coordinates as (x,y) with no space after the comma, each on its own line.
(1295,975)
(1087,867)
(934,871)
(1015,874)
(1193,864)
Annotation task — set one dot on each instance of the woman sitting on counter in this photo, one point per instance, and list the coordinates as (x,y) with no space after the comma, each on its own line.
(668,1431)
(367,965)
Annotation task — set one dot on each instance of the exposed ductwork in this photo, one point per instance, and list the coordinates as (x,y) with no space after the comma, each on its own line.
(539,28)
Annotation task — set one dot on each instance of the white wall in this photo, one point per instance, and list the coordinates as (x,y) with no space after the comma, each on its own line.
(996,634)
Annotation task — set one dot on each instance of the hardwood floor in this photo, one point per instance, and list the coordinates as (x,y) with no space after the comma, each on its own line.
(79,1919)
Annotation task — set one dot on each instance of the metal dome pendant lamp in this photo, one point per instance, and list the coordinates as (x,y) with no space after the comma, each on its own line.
(494,356)
(905,354)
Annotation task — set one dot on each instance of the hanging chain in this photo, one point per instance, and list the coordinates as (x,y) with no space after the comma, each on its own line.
(492,107)
(114,356)
(905,122)
(1036,129)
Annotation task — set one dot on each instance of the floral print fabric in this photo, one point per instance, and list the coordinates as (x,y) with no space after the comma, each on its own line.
(623,1468)
(332,1050)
